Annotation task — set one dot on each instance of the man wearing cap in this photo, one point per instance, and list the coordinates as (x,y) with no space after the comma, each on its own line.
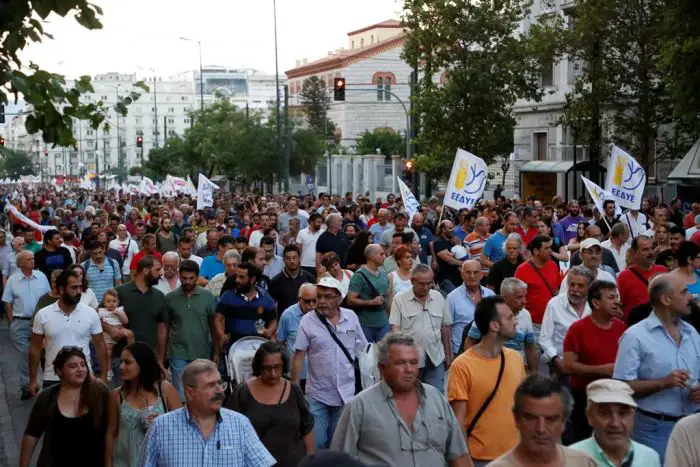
(610,412)
(330,383)
(591,253)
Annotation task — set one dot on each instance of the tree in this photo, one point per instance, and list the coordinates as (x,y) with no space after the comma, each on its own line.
(135,170)
(15,163)
(53,103)
(316,102)
(386,140)
(484,65)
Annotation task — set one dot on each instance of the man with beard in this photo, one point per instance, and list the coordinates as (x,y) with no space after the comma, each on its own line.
(166,240)
(489,427)
(548,216)
(284,287)
(190,311)
(144,305)
(153,222)
(67,322)
(608,220)
(633,282)
(149,249)
(244,311)
(570,222)
(53,255)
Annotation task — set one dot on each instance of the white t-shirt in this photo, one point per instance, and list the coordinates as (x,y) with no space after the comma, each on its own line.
(307,240)
(194,258)
(127,249)
(89,298)
(60,330)
(255,238)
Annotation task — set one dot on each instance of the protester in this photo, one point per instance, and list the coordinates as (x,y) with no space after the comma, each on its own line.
(127,248)
(276,408)
(148,244)
(101,273)
(53,255)
(73,409)
(329,338)
(375,425)
(144,395)
(332,240)
(610,410)
(633,282)
(541,409)
(688,257)
(330,267)
(506,267)
(485,369)
(10,266)
(284,287)
(171,441)
(289,321)
(184,249)
(20,296)
(170,280)
(231,261)
(400,278)
(214,264)
(367,295)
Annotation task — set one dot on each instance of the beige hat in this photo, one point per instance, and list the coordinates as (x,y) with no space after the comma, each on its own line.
(330,283)
(610,391)
(590,243)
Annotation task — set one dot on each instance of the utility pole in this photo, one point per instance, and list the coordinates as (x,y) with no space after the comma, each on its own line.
(165,128)
(97,162)
(287,139)
(277,86)
(411,134)
(155,107)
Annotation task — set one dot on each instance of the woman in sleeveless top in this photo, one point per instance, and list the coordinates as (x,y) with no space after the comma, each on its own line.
(69,411)
(400,279)
(143,396)
(275,406)
(688,257)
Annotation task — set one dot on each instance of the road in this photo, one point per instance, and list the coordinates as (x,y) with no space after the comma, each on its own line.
(13,411)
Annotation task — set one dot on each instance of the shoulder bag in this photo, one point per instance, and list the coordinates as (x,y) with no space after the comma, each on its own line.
(355,363)
(640,277)
(539,273)
(488,400)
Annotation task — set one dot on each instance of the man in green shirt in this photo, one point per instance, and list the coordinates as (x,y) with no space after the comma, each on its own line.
(610,412)
(190,313)
(367,293)
(30,244)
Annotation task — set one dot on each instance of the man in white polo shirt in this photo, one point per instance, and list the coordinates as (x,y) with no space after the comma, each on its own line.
(66,322)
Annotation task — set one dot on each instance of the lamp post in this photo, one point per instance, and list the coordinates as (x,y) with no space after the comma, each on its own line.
(277,91)
(201,75)
(155,102)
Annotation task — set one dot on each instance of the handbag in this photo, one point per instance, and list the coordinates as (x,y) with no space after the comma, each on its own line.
(488,400)
(539,273)
(354,362)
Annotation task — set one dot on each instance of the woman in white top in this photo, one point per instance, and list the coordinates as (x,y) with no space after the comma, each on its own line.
(400,279)
(126,246)
(88,296)
(330,266)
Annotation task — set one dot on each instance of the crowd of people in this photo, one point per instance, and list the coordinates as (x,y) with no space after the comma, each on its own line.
(516,333)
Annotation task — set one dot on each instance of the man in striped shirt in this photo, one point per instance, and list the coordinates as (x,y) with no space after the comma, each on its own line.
(474,242)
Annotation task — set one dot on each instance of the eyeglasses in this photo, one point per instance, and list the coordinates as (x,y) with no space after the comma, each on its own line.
(308,301)
(223,385)
(270,368)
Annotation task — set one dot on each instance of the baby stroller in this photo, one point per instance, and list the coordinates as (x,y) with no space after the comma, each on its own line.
(239,359)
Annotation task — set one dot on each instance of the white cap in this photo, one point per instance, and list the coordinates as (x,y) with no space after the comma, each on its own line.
(610,391)
(590,243)
(330,283)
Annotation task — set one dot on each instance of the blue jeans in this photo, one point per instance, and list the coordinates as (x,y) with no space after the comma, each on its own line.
(20,336)
(652,432)
(433,375)
(325,420)
(373,334)
(177,366)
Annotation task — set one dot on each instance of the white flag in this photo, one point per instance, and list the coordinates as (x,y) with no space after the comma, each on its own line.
(409,201)
(599,196)
(467,181)
(626,179)
(205,192)
(191,190)
(147,186)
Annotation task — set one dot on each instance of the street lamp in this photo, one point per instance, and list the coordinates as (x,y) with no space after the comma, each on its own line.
(277,97)
(155,102)
(201,75)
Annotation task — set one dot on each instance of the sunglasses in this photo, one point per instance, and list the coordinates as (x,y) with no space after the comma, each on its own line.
(308,301)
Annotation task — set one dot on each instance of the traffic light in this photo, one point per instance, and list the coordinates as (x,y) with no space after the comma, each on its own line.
(46,152)
(408,165)
(2,141)
(139,141)
(339,89)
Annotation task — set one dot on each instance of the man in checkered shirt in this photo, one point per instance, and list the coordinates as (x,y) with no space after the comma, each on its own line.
(202,433)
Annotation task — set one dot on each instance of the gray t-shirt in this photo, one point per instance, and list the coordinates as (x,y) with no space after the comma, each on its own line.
(283,222)
(370,429)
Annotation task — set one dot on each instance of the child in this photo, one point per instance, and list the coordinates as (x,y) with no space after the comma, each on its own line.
(114,315)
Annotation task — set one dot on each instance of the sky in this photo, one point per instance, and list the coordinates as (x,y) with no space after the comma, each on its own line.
(235,33)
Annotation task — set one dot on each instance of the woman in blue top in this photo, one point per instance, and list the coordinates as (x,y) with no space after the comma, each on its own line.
(688,257)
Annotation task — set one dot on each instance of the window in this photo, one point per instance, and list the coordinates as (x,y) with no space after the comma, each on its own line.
(380,89)
(171,109)
(383,81)
(187,120)
(153,109)
(88,132)
(547,77)
(171,133)
(362,42)
(352,45)
(104,98)
(540,141)
(183,98)
(171,121)
(138,121)
(371,39)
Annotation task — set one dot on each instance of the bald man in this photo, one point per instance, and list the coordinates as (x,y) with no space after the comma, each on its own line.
(658,357)
(367,293)
(462,301)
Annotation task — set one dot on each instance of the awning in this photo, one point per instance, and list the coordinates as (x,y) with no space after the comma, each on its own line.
(689,167)
(547,166)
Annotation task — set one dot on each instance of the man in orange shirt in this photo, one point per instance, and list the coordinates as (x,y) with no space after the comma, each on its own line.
(475,241)
(486,368)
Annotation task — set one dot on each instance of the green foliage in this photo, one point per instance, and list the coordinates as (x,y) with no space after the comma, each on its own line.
(135,170)
(54,104)
(485,67)
(387,141)
(15,163)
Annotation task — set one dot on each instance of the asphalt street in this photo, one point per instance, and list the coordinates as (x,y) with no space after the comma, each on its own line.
(14,412)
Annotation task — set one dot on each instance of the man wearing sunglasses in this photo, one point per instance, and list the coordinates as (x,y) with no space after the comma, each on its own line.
(290,319)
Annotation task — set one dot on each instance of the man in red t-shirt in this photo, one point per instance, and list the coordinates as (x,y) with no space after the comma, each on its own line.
(590,347)
(542,276)
(633,282)
(696,238)
(528,226)
(148,242)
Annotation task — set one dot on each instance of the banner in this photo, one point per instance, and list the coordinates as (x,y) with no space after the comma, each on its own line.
(205,192)
(147,186)
(27,221)
(409,201)
(467,181)
(191,190)
(599,196)
(626,179)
